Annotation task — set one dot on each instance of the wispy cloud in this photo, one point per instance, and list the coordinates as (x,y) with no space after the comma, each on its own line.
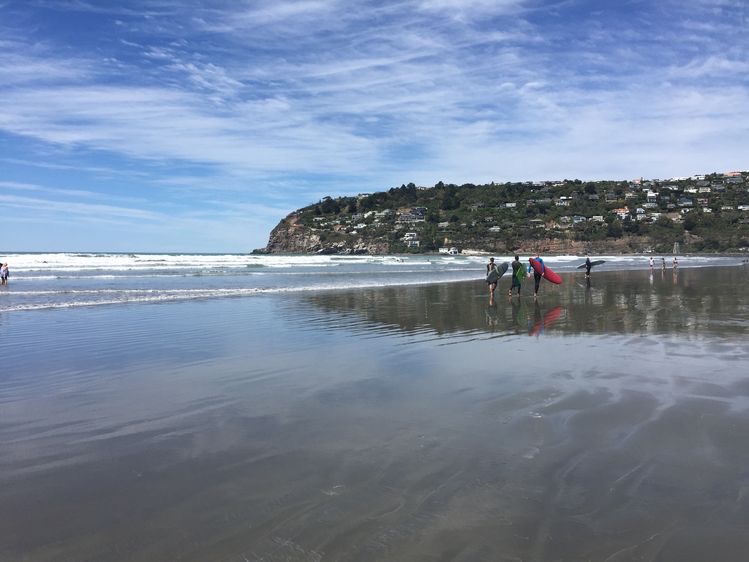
(100,212)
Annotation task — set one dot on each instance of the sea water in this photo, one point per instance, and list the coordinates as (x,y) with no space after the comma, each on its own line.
(62,280)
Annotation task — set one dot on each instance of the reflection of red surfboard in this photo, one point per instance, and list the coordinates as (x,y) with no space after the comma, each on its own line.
(546,320)
(549,275)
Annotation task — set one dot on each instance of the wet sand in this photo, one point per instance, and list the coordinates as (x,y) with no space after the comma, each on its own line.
(416,423)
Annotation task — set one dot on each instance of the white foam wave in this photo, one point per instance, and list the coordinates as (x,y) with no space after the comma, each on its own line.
(147,296)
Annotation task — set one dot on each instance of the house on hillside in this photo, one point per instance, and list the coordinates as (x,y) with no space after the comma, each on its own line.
(684,202)
(536,223)
(411,239)
(409,218)
(621,212)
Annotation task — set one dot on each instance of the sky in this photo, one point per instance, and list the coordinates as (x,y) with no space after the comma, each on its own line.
(196,125)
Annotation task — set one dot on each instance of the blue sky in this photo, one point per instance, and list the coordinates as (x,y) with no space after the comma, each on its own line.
(195,126)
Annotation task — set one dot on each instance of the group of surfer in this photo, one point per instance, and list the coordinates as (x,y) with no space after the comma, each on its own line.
(674,263)
(518,274)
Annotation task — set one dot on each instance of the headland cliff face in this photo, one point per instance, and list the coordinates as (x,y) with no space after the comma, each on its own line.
(292,237)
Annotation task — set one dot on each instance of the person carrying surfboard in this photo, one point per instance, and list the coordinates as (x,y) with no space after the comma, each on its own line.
(517,274)
(588,265)
(491,279)
(537,275)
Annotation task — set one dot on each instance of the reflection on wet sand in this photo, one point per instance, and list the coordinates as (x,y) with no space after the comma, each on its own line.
(412,423)
(703,301)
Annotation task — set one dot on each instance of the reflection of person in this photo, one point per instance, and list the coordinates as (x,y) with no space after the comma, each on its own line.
(516,269)
(491,315)
(491,266)
(4,274)
(588,265)
(536,275)
(538,321)
(516,315)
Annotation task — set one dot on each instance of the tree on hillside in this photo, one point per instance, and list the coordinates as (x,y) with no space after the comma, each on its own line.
(691,221)
(329,206)
(615,229)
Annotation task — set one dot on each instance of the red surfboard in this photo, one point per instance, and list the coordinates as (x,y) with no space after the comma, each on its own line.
(549,275)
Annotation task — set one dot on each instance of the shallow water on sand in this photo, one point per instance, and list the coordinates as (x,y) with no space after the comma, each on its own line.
(601,422)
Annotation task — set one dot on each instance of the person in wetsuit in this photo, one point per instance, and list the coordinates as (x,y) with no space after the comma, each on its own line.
(536,275)
(491,266)
(516,266)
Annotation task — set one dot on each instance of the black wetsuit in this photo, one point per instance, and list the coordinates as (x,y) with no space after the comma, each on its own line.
(516,265)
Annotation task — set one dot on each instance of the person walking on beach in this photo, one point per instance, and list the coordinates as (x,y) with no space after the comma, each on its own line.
(536,275)
(491,281)
(675,263)
(517,268)
(663,264)
(651,262)
(4,274)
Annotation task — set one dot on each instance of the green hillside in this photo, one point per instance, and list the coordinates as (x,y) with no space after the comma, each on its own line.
(701,214)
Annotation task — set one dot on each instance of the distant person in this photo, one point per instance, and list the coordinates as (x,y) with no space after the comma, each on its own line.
(588,265)
(675,263)
(536,275)
(4,274)
(492,282)
(663,264)
(651,262)
(517,267)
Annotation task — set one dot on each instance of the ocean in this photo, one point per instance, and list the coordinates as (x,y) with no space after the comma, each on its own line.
(63,280)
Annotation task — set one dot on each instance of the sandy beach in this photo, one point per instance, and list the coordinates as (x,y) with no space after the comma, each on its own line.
(602,422)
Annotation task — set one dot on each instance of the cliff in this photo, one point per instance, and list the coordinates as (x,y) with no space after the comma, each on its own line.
(292,237)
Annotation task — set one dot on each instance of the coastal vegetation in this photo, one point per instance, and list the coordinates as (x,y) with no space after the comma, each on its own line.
(699,214)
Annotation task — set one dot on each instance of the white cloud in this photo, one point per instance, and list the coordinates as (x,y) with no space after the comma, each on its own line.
(469,9)
(711,66)
(100,212)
